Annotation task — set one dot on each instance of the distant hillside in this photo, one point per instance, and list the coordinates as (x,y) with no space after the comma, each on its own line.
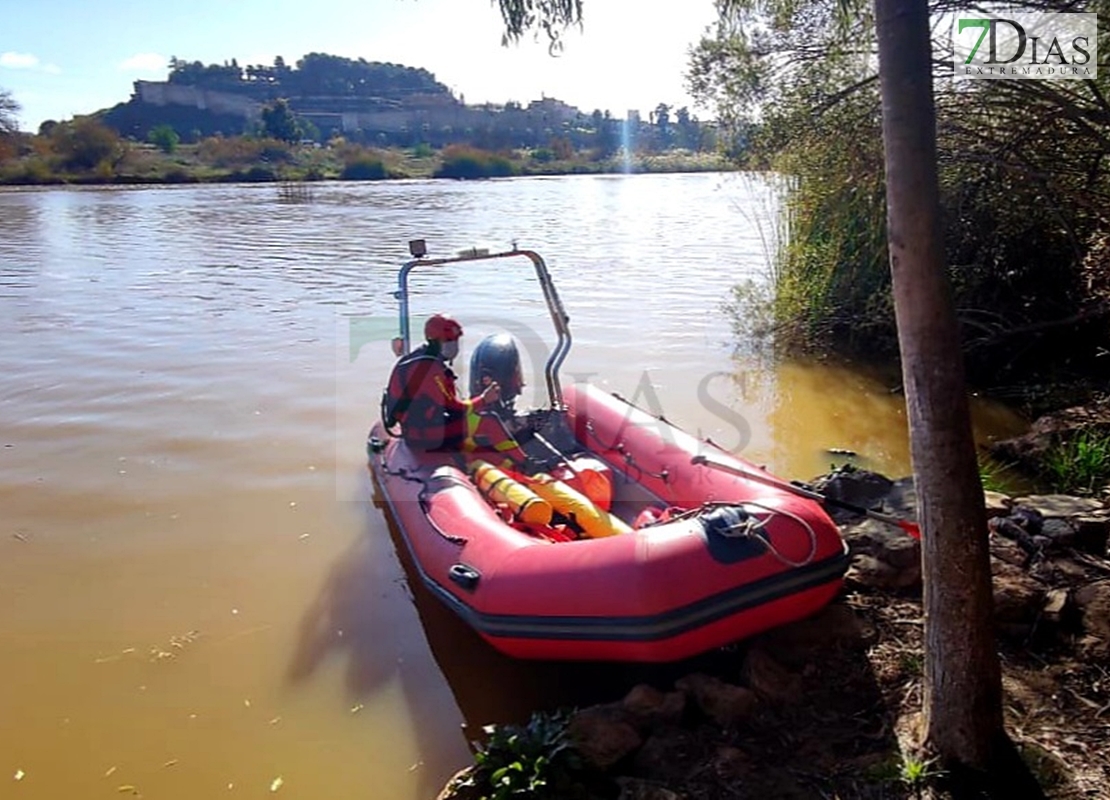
(381,104)
(338,95)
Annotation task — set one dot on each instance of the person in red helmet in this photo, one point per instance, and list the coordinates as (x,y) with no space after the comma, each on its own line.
(422,397)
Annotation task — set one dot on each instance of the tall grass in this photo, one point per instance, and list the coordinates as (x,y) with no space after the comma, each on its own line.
(1018,222)
(998,477)
(1079,465)
(750,305)
(832,278)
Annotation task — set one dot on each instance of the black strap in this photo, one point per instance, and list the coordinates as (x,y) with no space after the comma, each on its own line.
(399,407)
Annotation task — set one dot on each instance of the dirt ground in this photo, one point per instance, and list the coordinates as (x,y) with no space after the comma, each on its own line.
(851,708)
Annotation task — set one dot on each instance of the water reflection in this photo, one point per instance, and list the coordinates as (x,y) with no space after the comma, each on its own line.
(20,246)
(353,621)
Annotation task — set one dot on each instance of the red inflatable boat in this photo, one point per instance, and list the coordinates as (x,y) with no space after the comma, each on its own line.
(708,548)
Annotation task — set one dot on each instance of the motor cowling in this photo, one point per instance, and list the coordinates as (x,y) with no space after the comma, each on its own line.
(497,359)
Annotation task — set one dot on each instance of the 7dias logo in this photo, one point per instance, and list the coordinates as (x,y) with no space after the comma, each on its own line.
(1026,47)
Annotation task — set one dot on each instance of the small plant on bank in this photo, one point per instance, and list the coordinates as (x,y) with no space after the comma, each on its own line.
(912,663)
(1080,465)
(534,760)
(917,773)
(993,475)
(912,772)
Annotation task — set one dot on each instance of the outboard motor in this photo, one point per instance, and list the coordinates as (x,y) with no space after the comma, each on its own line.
(496,359)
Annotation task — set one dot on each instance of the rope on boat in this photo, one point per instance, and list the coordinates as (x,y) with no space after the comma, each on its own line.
(422,496)
(757,533)
(629,459)
(753,527)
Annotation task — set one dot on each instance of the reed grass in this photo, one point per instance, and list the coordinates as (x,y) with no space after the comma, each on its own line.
(1080,464)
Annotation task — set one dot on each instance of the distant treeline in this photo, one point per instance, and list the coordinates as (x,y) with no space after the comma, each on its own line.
(315,75)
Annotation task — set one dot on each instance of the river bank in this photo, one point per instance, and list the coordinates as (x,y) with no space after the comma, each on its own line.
(249,160)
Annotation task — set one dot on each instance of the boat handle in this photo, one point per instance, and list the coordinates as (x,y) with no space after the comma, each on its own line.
(464,576)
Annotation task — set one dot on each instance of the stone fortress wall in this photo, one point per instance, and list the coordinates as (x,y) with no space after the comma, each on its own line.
(351,114)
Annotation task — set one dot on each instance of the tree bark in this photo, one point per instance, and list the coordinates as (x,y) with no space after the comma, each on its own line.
(963,685)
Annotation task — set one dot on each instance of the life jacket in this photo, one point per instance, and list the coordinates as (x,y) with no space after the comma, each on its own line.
(410,401)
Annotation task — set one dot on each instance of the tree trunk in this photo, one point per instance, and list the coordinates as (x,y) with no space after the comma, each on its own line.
(963,685)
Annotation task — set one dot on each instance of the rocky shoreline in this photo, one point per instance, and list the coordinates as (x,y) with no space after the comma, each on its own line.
(828,707)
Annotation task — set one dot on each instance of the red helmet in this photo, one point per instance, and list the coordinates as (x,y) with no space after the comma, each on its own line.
(442,328)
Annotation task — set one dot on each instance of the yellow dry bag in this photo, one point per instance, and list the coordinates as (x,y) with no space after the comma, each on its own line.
(595,522)
(500,488)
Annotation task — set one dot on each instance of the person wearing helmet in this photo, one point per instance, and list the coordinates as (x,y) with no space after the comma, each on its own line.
(422,397)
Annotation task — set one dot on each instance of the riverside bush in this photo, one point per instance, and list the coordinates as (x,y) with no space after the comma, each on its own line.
(364,168)
(463,161)
(241,151)
(1024,205)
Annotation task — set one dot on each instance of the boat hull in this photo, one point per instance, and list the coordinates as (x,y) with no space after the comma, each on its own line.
(661,593)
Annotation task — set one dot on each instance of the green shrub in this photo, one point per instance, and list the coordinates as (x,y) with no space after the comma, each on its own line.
(463,161)
(1027,249)
(257,173)
(533,761)
(422,150)
(274,151)
(241,151)
(33,171)
(364,168)
(84,144)
(164,137)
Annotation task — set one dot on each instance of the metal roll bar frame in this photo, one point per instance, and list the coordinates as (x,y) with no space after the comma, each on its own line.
(554,305)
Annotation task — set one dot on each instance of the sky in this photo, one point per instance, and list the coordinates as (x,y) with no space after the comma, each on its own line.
(59,58)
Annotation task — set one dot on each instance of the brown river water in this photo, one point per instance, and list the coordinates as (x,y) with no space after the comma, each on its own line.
(197,596)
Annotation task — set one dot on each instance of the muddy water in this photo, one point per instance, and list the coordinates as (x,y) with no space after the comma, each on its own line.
(197,596)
